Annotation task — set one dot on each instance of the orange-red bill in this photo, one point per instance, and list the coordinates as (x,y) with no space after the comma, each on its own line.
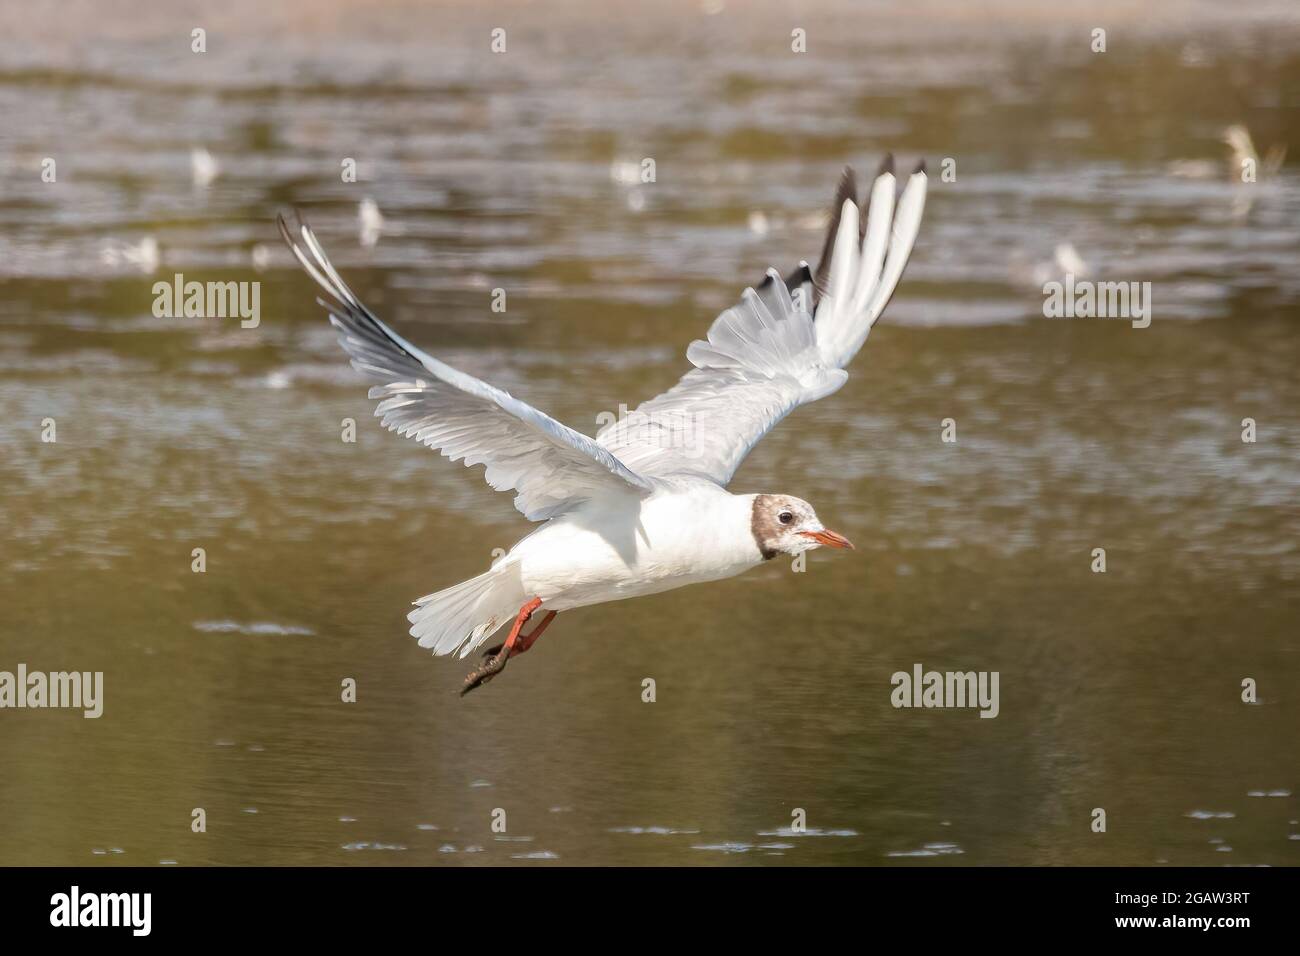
(831,539)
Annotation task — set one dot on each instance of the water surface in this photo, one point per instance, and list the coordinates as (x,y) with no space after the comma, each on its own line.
(1118,690)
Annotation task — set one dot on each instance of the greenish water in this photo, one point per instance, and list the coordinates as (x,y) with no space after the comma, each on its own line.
(222,690)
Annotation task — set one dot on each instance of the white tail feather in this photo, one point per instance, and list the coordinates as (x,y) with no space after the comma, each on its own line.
(463,616)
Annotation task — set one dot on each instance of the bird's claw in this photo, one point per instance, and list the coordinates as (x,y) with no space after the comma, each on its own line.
(494,658)
(489,669)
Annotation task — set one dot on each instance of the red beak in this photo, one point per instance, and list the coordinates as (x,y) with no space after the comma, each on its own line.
(829,538)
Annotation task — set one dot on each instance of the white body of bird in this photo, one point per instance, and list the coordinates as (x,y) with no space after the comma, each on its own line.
(686,533)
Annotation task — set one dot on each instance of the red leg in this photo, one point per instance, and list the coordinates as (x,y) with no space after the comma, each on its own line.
(513,645)
(526,640)
(525,613)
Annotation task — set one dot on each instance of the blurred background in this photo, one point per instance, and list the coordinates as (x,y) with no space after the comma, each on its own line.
(521,171)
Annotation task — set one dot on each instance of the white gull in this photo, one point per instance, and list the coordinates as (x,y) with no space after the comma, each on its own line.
(642,507)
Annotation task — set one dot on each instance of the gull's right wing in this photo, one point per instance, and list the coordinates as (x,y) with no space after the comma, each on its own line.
(552,467)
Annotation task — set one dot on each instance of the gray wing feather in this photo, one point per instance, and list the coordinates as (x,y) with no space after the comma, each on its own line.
(759,363)
(767,355)
(552,467)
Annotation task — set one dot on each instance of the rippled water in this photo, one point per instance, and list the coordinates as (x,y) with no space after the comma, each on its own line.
(519,171)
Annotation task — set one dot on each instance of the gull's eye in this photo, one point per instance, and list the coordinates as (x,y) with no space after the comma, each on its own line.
(785,517)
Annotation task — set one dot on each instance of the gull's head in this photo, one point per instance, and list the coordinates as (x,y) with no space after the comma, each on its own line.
(783,524)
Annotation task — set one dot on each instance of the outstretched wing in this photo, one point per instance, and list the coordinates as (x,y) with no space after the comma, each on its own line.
(782,346)
(551,466)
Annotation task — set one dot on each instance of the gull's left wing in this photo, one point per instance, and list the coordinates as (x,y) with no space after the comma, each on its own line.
(783,346)
(552,467)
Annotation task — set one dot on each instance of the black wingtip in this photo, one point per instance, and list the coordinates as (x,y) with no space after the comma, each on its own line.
(845,190)
(798,277)
(287,231)
(920,167)
(886,165)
